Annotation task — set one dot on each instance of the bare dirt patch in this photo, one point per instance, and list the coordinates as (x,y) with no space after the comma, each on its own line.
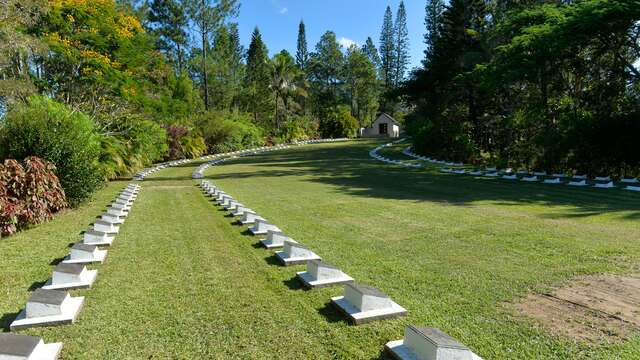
(597,309)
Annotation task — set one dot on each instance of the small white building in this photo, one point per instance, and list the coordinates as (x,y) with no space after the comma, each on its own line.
(383,126)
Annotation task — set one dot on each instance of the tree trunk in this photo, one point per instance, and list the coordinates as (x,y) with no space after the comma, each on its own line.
(204,60)
(179,59)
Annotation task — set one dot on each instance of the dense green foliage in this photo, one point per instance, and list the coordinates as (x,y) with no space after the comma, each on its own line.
(30,193)
(54,132)
(224,132)
(547,85)
(132,143)
(339,123)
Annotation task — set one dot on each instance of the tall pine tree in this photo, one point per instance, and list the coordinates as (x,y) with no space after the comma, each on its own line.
(257,79)
(207,16)
(369,49)
(401,36)
(387,49)
(433,9)
(302,55)
(168,21)
(237,53)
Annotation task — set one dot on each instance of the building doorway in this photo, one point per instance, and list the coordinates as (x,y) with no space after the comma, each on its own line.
(384,129)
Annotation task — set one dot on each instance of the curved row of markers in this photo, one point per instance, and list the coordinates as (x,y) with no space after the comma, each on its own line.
(197,174)
(359,304)
(600,182)
(140,175)
(375,154)
(51,304)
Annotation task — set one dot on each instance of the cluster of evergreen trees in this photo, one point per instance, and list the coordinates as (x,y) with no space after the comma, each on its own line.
(180,64)
(329,88)
(545,84)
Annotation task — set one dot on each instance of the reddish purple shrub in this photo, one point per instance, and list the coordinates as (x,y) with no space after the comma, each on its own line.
(29,194)
(174,134)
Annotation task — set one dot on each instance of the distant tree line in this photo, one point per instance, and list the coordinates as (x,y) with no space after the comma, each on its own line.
(541,84)
(103,88)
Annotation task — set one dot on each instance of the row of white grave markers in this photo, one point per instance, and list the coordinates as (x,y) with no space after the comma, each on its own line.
(374,154)
(359,304)
(599,182)
(52,304)
(148,171)
(198,173)
(219,158)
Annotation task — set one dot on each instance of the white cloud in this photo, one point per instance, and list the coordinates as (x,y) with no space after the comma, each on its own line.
(346,43)
(283,11)
(637,64)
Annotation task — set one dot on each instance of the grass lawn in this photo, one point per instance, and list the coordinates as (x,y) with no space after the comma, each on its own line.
(182,282)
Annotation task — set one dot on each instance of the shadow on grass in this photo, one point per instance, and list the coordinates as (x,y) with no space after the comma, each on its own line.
(56,261)
(331,314)
(6,320)
(294,284)
(352,171)
(149,180)
(36,285)
(272,260)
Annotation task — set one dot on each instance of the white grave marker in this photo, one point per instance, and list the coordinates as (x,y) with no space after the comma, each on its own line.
(240,210)
(275,239)
(250,217)
(117,212)
(629,180)
(23,347)
(578,183)
(226,201)
(362,304)
(85,254)
(295,254)
(48,308)
(119,206)
(114,219)
(71,276)
(320,274)
(422,343)
(261,227)
(105,227)
(553,181)
(608,185)
(92,237)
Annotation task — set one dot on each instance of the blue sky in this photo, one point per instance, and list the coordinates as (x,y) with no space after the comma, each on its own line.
(351,20)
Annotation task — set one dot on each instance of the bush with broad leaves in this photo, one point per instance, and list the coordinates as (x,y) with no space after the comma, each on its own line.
(30,193)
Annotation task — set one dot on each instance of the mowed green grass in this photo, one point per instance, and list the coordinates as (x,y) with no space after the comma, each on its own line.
(183,282)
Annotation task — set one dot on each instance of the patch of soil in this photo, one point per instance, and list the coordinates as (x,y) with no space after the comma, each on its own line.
(597,309)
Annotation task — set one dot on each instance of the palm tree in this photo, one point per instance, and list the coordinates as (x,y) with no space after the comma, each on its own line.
(286,82)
